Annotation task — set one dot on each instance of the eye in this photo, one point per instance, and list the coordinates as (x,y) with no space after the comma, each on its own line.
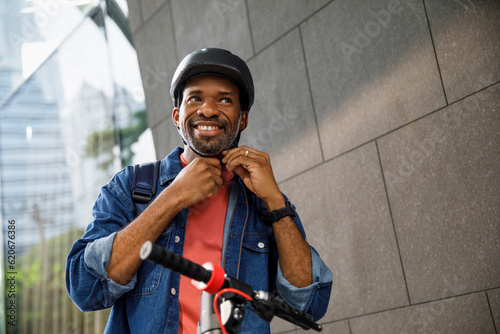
(226,100)
(193,98)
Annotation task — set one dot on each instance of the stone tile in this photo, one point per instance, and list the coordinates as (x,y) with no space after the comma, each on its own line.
(343,207)
(271,19)
(150,7)
(372,68)
(333,328)
(166,138)
(157,60)
(219,23)
(494,299)
(134,15)
(443,178)
(468,58)
(281,121)
(281,326)
(461,315)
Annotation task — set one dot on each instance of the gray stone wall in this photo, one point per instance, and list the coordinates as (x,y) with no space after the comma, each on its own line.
(382,119)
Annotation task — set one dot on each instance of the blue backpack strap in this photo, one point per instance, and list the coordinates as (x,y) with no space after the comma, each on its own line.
(144,184)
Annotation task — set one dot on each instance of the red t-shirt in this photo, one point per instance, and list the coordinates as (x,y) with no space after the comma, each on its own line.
(203,243)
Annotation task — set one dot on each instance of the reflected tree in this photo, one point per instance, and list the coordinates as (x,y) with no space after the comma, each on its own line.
(100,143)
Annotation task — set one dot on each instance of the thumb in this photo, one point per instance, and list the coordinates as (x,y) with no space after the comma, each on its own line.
(241,171)
(244,175)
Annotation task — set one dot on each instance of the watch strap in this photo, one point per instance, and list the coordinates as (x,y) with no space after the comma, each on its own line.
(275,215)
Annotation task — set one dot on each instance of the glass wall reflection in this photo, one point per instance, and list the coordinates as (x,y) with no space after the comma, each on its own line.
(64,131)
(31,31)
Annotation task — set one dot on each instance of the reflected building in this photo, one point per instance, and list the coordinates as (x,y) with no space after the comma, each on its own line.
(61,138)
(31,144)
(10,52)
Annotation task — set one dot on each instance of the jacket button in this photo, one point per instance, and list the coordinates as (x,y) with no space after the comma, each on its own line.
(172,291)
(261,245)
(177,239)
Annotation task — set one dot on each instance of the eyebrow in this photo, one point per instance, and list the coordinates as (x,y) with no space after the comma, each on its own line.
(227,93)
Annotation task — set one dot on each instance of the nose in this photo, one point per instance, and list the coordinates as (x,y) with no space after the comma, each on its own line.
(209,109)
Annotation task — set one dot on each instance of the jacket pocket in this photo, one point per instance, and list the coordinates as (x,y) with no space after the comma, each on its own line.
(258,242)
(149,274)
(256,263)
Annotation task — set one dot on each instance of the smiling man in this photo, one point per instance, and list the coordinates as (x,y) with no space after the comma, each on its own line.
(216,202)
(209,117)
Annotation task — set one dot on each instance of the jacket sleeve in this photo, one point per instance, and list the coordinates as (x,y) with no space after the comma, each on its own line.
(87,282)
(312,299)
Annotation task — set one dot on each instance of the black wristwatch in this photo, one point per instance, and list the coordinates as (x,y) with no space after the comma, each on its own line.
(275,215)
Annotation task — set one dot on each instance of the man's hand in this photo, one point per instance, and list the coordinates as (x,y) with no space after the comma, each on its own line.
(198,181)
(254,168)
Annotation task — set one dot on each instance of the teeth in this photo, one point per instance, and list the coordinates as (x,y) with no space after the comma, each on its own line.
(207,128)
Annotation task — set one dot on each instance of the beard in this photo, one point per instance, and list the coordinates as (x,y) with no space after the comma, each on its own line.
(208,146)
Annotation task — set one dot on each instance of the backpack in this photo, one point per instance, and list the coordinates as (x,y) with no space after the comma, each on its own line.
(144,184)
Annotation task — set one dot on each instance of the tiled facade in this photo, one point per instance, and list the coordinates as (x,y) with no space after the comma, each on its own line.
(382,119)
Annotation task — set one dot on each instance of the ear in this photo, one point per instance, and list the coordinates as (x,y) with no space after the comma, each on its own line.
(175,117)
(244,120)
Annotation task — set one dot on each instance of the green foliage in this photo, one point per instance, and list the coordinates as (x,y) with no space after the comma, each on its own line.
(100,143)
(43,305)
(130,135)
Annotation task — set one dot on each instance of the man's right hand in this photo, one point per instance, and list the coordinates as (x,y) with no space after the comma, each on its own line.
(198,181)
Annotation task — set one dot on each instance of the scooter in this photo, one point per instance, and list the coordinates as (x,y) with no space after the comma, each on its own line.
(225,316)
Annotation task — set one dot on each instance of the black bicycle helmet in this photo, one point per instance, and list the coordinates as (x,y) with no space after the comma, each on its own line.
(213,61)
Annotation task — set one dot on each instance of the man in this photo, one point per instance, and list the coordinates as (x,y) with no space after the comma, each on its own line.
(215,202)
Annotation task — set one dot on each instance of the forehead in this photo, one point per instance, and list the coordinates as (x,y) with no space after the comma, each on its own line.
(211,82)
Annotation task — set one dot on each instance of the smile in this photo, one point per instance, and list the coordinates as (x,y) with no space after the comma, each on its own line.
(207,127)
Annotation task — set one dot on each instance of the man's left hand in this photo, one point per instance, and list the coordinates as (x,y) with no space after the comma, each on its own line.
(254,168)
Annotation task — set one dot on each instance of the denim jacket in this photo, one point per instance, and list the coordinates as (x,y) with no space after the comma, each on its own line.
(149,302)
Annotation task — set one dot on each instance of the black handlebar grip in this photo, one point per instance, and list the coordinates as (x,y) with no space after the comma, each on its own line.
(174,262)
(295,316)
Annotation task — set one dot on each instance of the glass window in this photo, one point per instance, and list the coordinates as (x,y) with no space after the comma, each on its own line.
(65,129)
(31,31)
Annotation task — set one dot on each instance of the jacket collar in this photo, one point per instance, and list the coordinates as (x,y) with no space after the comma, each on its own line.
(171,166)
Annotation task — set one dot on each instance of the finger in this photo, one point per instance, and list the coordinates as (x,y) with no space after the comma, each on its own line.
(211,186)
(241,172)
(254,159)
(240,161)
(218,180)
(212,162)
(210,191)
(215,170)
(213,166)
(240,152)
(233,152)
